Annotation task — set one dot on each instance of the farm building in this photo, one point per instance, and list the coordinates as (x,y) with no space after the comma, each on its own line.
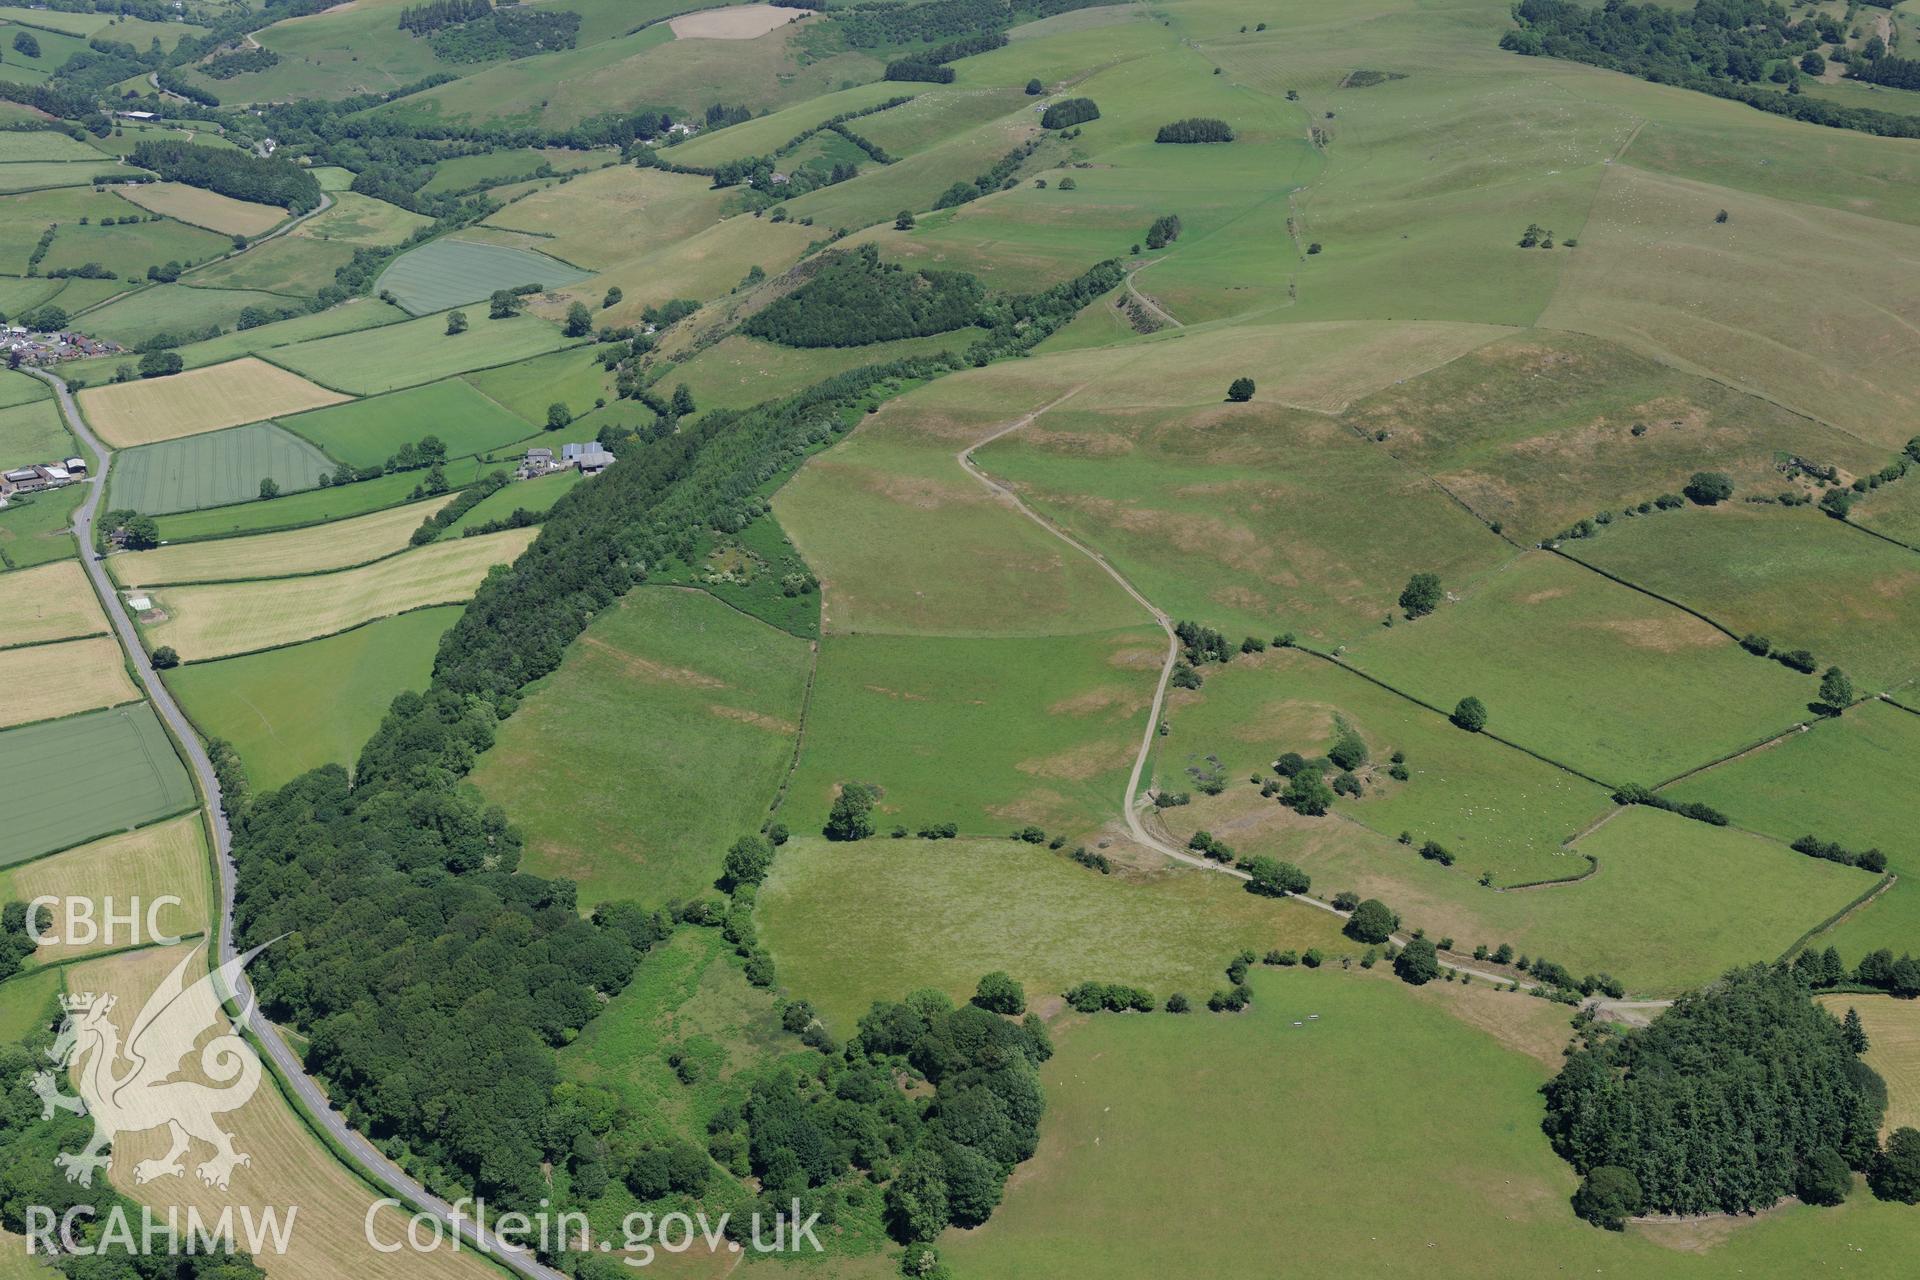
(590,458)
(32,479)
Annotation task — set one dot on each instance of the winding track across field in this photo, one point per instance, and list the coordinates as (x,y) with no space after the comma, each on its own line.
(1130,804)
(290,1068)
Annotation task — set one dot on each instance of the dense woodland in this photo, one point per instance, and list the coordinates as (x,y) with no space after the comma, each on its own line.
(855,299)
(236,174)
(1723,1104)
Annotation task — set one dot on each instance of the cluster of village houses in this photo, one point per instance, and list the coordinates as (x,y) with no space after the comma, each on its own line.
(23,346)
(590,459)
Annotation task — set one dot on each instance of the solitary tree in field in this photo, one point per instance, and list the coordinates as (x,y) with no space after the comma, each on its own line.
(613,297)
(558,416)
(1418,963)
(1470,714)
(1836,690)
(1609,1196)
(748,861)
(25,45)
(269,488)
(1422,595)
(165,659)
(1855,1033)
(456,322)
(1240,390)
(1035,88)
(682,401)
(579,320)
(1371,921)
(903,221)
(503,305)
(852,815)
(999,993)
(1709,487)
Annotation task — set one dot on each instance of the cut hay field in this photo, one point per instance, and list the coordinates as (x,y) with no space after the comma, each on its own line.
(692,706)
(239,391)
(449,272)
(1374,1172)
(853,923)
(175,309)
(368,432)
(285,265)
(34,530)
(1589,673)
(33,432)
(218,620)
(203,208)
(49,602)
(314,506)
(705,265)
(1497,809)
(599,218)
(164,859)
(288,1166)
(311,704)
(1846,780)
(117,766)
(33,175)
(214,469)
(43,144)
(406,355)
(988,733)
(1893,1049)
(316,549)
(735,22)
(47,681)
(1798,577)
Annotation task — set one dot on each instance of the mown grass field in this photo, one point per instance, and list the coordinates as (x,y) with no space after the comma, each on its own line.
(350,316)
(1336,1109)
(316,549)
(34,432)
(49,602)
(117,765)
(18,388)
(289,1164)
(1495,808)
(165,859)
(35,175)
(449,272)
(1893,1049)
(1589,673)
(1798,577)
(419,351)
(129,250)
(311,704)
(368,432)
(222,619)
(598,218)
(214,469)
(203,208)
(705,265)
(226,395)
(175,309)
(849,924)
(287,265)
(662,739)
(338,502)
(356,219)
(1844,780)
(573,377)
(536,496)
(988,733)
(46,681)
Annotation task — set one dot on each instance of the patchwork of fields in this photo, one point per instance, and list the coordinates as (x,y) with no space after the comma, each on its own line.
(225,395)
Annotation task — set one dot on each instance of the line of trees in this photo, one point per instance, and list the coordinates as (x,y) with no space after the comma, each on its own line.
(1196,129)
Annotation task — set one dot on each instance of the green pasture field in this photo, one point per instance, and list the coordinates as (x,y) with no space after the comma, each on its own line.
(1846,780)
(1373,1172)
(748,571)
(34,528)
(446,273)
(939,113)
(763,135)
(1892,510)
(418,351)
(119,760)
(703,266)
(1536,430)
(312,704)
(349,317)
(1495,808)
(361,220)
(20,388)
(492,168)
(17,294)
(537,496)
(174,308)
(611,215)
(1653,245)
(1589,673)
(290,264)
(34,175)
(1639,917)
(24,218)
(991,734)
(573,377)
(647,68)
(33,432)
(128,251)
(916,181)
(310,507)
(678,717)
(368,432)
(849,924)
(214,469)
(739,371)
(26,1006)
(904,541)
(1796,576)
(333,178)
(335,54)
(44,144)
(73,24)
(55,48)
